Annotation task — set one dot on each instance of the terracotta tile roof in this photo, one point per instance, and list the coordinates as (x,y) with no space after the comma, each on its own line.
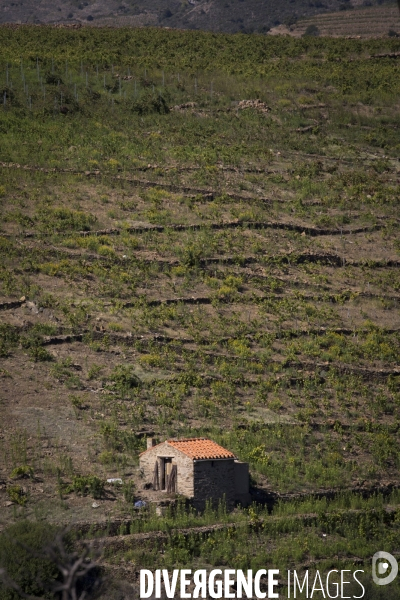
(201,448)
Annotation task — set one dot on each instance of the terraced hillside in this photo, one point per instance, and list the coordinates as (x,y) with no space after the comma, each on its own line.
(210,15)
(363,22)
(188,252)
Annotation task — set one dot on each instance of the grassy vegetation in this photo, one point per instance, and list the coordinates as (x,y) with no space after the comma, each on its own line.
(179,263)
(313,534)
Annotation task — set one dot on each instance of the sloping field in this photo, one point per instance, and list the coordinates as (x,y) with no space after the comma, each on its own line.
(201,243)
(367,22)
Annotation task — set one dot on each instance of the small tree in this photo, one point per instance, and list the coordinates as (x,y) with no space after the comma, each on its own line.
(38,561)
(312,30)
(21,569)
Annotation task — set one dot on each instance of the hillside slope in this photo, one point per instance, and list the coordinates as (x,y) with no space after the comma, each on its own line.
(366,22)
(230,15)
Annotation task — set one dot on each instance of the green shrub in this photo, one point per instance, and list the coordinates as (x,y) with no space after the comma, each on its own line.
(107,457)
(311,30)
(89,485)
(124,379)
(20,548)
(64,219)
(22,471)
(62,371)
(17,495)
(150,360)
(9,338)
(128,490)
(150,103)
(33,342)
(192,255)
(93,372)
(76,401)
(40,354)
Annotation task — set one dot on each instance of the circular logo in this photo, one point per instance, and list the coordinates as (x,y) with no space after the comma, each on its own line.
(381,561)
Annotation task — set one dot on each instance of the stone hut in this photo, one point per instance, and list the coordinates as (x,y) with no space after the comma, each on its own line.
(197,468)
